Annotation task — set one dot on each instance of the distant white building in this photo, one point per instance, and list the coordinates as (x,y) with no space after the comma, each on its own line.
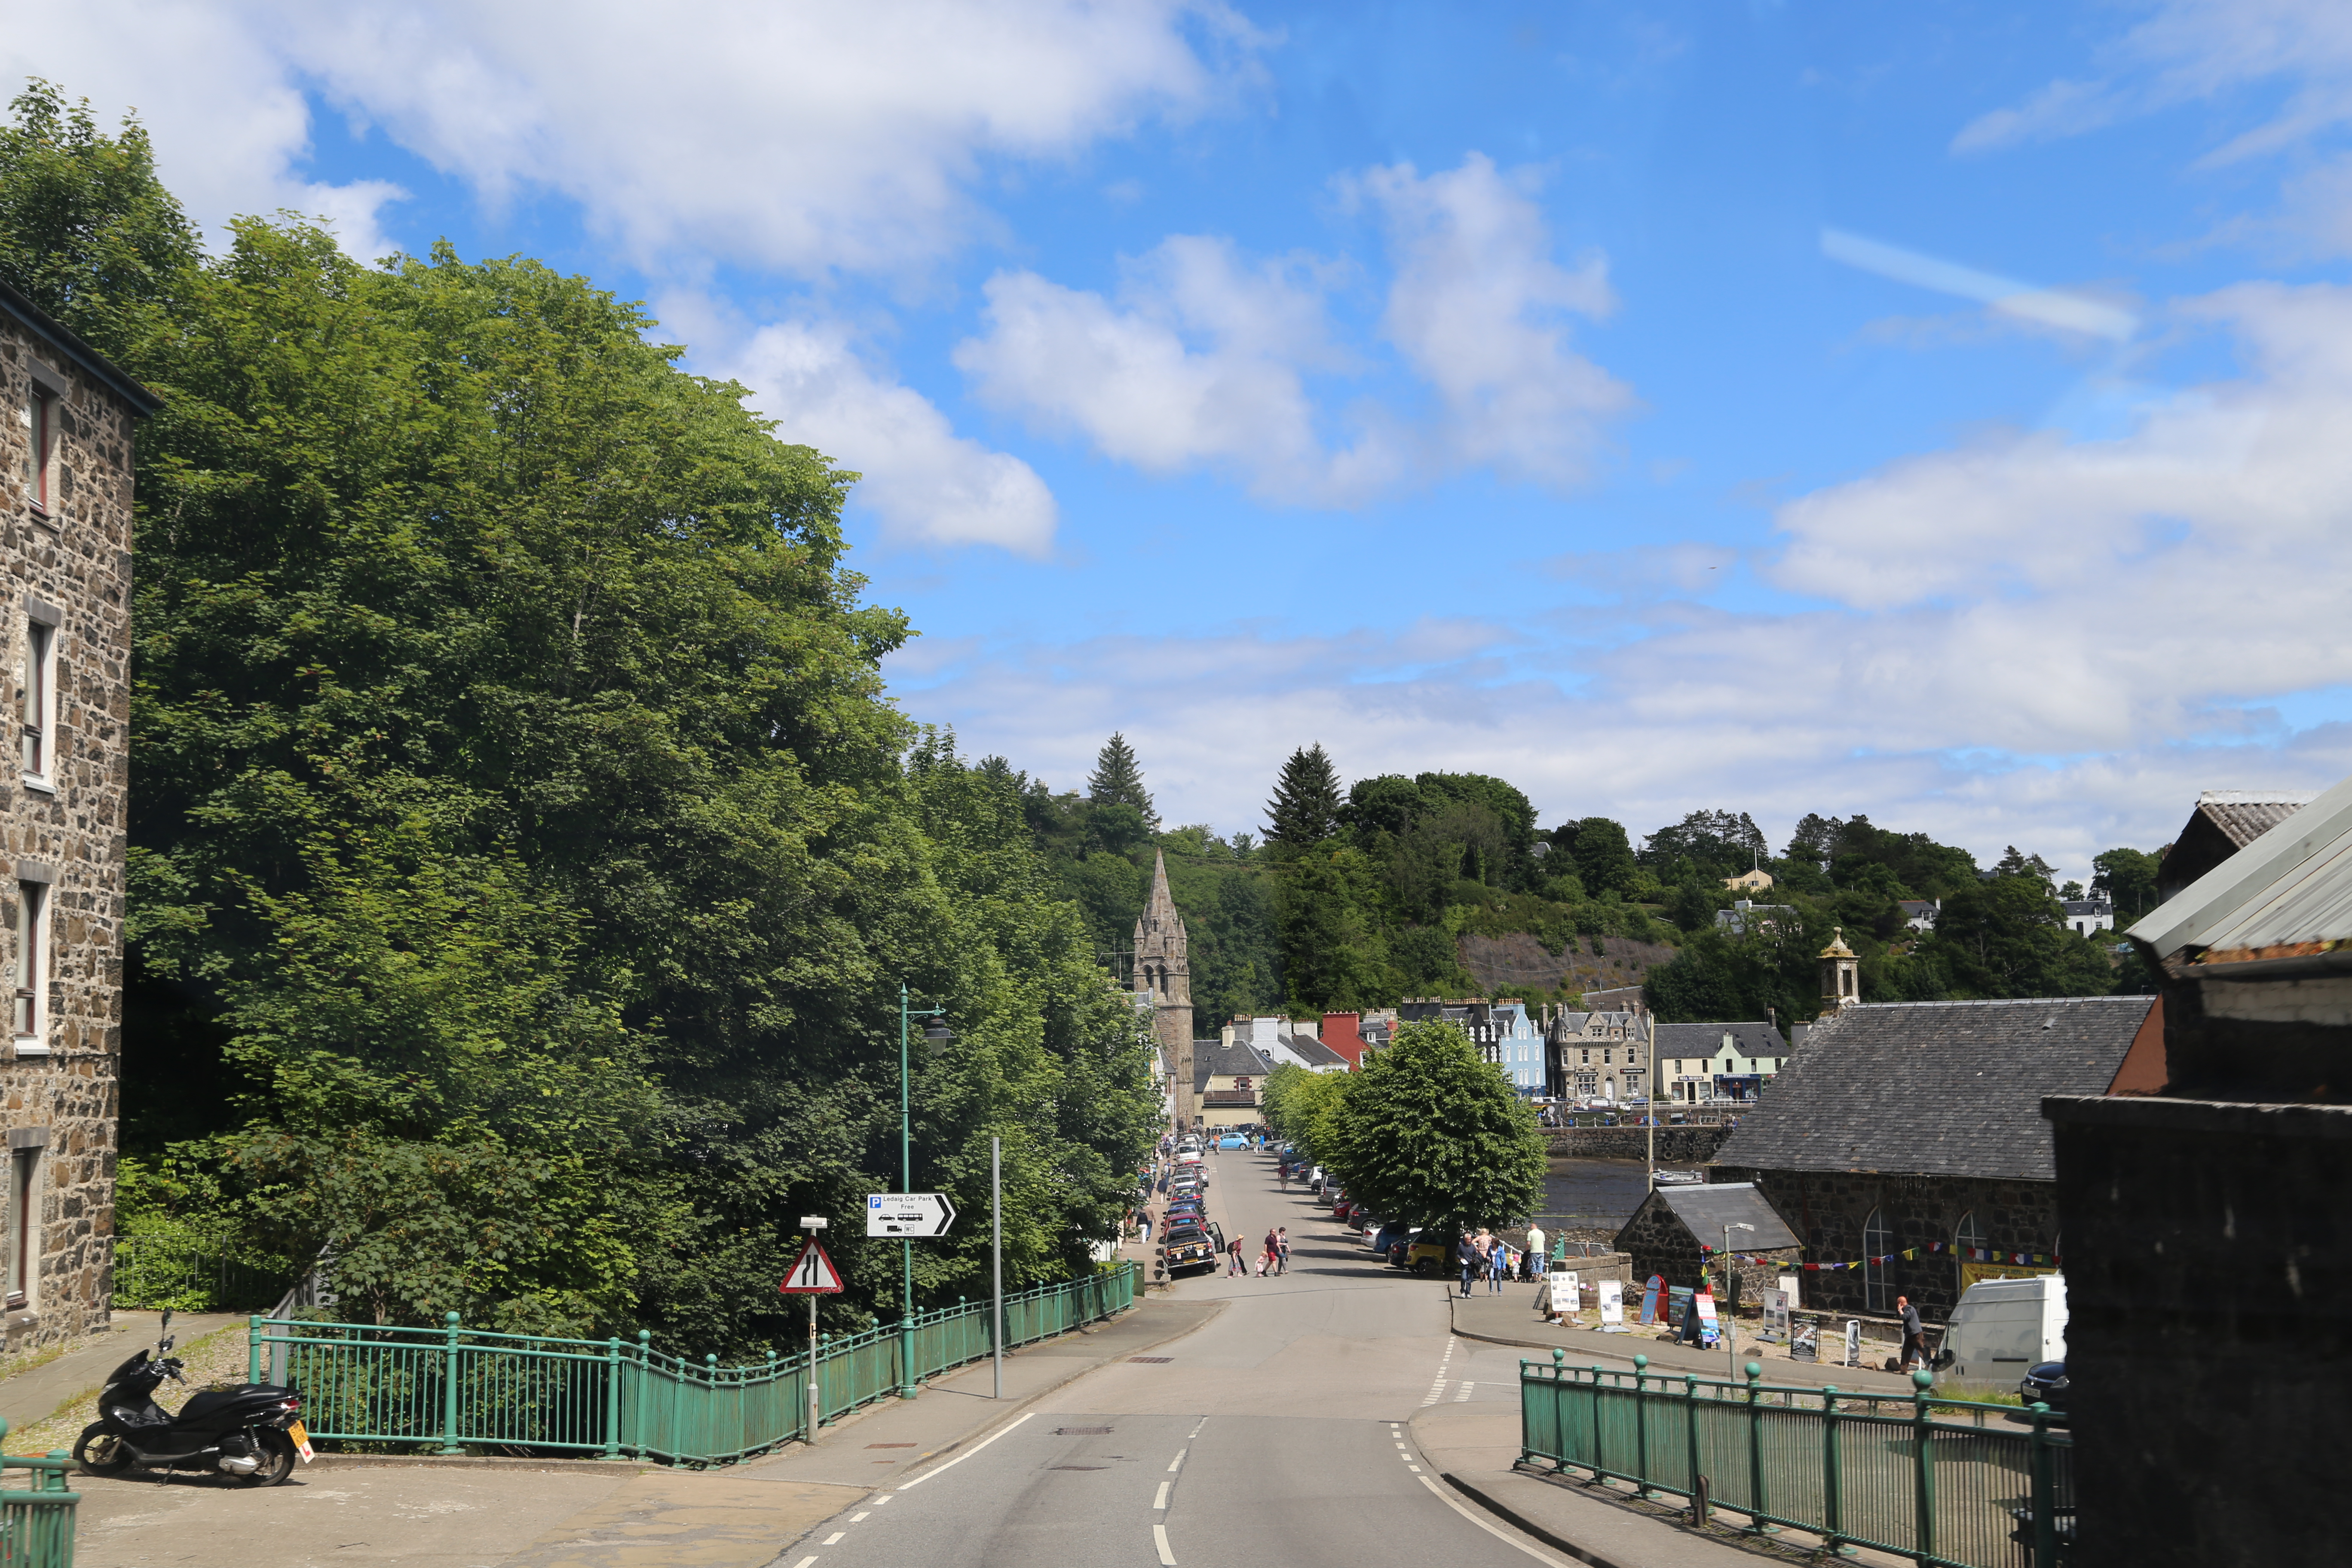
(1279,1041)
(2084,916)
(1920,914)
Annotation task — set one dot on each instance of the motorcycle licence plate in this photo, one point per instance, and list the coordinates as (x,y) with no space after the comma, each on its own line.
(301,1436)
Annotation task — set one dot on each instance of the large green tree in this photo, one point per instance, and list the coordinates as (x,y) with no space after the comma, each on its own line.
(1305,810)
(519,829)
(1430,1134)
(1118,779)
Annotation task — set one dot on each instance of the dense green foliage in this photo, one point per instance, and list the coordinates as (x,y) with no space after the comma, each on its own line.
(1430,1134)
(525,860)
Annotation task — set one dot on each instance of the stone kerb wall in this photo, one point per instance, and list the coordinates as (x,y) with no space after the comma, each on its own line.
(1691,1145)
(75,562)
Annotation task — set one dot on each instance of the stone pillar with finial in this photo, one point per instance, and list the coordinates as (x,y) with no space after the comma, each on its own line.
(1841,974)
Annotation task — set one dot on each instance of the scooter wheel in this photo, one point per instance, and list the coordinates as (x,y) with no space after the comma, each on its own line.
(276,1458)
(100,1452)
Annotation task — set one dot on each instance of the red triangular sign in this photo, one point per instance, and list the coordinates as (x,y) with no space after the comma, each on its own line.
(812,1273)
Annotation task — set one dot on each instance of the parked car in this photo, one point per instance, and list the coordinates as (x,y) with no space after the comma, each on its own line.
(1429,1253)
(1187,1246)
(1234,1140)
(2046,1385)
(1391,1236)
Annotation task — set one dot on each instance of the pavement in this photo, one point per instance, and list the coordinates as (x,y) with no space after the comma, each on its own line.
(32,1395)
(1338,1415)
(1510,1319)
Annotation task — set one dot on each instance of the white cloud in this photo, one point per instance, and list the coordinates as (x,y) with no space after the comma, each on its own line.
(1203,357)
(1200,364)
(927,485)
(230,124)
(1479,309)
(2031,639)
(807,137)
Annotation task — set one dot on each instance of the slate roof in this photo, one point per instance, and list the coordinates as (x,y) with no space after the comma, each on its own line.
(1214,1059)
(1314,1052)
(2224,822)
(2283,900)
(1947,1089)
(1704,1211)
(1754,1039)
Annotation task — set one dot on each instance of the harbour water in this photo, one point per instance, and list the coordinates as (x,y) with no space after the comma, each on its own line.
(1593,1195)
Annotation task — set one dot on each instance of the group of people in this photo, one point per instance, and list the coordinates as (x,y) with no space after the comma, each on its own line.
(1487,1256)
(1274,1259)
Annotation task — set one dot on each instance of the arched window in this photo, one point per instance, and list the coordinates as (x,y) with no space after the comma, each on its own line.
(1877,1241)
(1968,1238)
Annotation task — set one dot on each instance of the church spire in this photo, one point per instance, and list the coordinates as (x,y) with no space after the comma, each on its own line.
(1164,972)
(1159,914)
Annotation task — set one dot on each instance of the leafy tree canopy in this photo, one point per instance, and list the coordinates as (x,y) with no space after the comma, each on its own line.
(1305,810)
(1117,781)
(1430,1134)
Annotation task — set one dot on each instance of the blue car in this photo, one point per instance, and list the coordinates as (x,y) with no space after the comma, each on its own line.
(1233,1141)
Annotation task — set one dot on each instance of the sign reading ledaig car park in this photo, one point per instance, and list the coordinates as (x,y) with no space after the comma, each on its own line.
(909,1214)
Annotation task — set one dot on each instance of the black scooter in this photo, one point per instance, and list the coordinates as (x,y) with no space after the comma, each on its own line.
(250,1433)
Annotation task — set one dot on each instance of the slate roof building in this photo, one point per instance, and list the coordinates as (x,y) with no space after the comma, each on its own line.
(2207,1263)
(1677,1230)
(1700,1062)
(1602,1056)
(1229,1082)
(2224,822)
(1916,1128)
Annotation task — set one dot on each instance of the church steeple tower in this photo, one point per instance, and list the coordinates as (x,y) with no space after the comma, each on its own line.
(1162,969)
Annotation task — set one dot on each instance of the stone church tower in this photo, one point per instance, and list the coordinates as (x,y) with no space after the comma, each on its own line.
(1162,970)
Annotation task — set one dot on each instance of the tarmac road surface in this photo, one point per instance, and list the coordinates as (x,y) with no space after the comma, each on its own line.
(1274,1435)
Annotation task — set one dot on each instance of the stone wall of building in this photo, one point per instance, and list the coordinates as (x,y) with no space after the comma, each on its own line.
(1829,1210)
(2208,1263)
(70,568)
(1676,1145)
(1656,1242)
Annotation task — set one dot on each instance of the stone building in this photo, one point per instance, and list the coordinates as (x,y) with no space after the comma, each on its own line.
(66,553)
(1164,973)
(1229,1082)
(1600,1056)
(2209,1255)
(1678,1231)
(1699,1063)
(1911,1132)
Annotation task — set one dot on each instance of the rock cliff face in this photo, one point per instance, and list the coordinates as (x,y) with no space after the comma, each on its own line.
(1521,962)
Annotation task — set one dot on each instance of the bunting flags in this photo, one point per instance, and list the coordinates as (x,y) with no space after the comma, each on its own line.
(1974,1254)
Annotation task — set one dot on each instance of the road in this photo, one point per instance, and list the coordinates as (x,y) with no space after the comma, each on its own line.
(1276,1434)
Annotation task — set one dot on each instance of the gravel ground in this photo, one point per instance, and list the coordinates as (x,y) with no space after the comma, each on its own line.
(218,1358)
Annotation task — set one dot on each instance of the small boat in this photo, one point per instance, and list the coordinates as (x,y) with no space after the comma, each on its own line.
(1679,1178)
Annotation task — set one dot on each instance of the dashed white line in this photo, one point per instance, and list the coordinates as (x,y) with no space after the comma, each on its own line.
(858,1515)
(803,1562)
(1162,1500)
(968,1453)
(1177,1463)
(834,1539)
(1465,1394)
(886,1496)
(1195,1432)
(1159,1539)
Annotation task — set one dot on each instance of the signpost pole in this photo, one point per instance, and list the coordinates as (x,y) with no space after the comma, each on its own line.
(816,1406)
(996,1255)
(906,1243)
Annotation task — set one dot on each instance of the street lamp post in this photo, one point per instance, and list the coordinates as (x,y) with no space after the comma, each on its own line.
(1730,1333)
(937,1035)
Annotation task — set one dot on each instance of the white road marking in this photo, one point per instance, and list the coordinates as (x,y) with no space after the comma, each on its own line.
(1159,1539)
(860,1514)
(1490,1527)
(1195,1432)
(834,1539)
(803,1562)
(886,1496)
(1162,1500)
(1465,1394)
(1400,1445)
(959,1458)
(1177,1463)
(1414,1469)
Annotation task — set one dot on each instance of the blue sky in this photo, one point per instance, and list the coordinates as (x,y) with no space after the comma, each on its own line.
(1935,413)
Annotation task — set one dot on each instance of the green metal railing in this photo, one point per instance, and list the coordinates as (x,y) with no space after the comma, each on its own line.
(37,1523)
(455,1388)
(1928,1478)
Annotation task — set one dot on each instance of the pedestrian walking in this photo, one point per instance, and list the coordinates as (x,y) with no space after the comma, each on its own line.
(1498,1267)
(1465,1253)
(1266,1260)
(1914,1335)
(1240,1264)
(1282,1249)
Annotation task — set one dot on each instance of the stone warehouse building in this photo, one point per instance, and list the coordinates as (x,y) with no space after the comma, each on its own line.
(65,545)
(1917,1125)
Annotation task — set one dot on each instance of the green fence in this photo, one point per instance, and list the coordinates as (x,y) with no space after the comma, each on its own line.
(1946,1484)
(36,1521)
(454,1388)
(190,1274)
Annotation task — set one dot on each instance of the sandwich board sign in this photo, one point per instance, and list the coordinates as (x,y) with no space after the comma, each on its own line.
(1776,1317)
(1654,1300)
(1709,1329)
(812,1273)
(1612,1307)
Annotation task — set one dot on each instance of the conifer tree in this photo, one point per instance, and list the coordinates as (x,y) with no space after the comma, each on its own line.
(1304,809)
(1118,779)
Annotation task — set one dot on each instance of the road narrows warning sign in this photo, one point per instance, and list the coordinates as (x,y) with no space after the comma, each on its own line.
(812,1273)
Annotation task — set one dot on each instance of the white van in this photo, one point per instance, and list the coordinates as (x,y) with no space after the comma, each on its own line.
(2001,1327)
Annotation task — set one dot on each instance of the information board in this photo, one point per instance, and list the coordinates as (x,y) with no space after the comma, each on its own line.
(1710,1331)
(1613,1306)
(1776,1317)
